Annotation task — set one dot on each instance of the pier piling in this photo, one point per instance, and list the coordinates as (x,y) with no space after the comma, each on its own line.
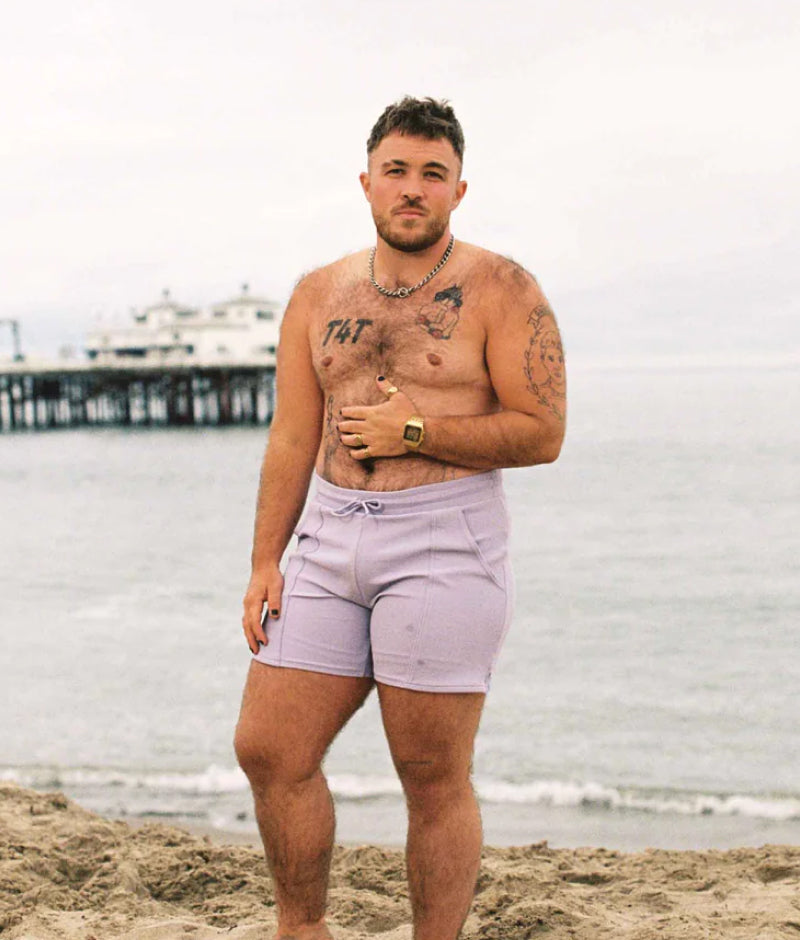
(89,396)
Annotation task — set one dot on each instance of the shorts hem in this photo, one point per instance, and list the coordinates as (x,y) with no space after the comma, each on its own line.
(429,687)
(315,667)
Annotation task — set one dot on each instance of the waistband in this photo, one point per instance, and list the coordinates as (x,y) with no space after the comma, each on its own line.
(427,498)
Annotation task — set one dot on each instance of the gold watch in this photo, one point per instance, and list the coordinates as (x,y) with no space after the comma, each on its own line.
(414,433)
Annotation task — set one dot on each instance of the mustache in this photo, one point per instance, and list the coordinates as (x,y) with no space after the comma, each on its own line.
(415,204)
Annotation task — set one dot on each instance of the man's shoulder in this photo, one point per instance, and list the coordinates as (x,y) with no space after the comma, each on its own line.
(335,274)
(498,274)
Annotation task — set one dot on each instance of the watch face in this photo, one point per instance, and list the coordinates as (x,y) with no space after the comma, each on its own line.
(412,434)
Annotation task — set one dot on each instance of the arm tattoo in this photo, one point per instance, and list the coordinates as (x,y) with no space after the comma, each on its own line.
(440,317)
(544,361)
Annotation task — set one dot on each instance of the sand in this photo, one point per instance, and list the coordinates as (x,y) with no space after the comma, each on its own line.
(67,873)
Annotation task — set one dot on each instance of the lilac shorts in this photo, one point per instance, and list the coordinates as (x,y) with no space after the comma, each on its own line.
(412,587)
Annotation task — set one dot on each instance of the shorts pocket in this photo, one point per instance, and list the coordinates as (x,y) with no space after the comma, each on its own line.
(485,526)
(308,528)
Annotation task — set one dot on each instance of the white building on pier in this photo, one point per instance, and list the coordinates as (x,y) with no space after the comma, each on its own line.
(241,331)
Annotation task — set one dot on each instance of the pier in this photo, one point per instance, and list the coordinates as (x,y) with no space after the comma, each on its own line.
(145,395)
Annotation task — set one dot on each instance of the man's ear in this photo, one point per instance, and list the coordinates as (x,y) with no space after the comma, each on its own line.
(461,188)
(363,178)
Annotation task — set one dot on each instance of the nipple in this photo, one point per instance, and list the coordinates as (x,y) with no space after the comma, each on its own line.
(327,360)
(434,359)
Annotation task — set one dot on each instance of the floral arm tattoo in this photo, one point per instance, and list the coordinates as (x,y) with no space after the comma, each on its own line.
(544,362)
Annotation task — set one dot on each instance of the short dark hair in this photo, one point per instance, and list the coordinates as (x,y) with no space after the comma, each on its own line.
(449,293)
(419,117)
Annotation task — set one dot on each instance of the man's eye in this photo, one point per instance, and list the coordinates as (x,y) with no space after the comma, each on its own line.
(436,176)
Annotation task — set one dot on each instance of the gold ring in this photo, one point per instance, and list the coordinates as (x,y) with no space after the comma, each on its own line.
(360,440)
(392,390)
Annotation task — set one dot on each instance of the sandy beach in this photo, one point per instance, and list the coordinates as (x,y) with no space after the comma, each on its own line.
(67,873)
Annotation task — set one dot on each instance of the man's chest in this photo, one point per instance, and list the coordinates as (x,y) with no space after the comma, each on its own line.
(435,338)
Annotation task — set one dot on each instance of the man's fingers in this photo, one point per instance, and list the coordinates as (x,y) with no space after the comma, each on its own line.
(356,412)
(391,391)
(350,427)
(386,386)
(259,607)
(274,596)
(251,623)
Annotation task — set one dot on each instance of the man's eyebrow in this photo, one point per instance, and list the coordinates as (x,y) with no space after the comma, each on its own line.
(431,164)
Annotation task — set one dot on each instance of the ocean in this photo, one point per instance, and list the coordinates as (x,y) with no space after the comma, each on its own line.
(647,694)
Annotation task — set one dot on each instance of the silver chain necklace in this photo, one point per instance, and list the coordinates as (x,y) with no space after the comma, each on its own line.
(405,291)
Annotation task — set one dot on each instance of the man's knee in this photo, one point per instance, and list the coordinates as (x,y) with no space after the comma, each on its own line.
(267,760)
(433,784)
(251,754)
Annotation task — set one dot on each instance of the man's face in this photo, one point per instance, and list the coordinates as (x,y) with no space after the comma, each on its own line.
(553,359)
(412,185)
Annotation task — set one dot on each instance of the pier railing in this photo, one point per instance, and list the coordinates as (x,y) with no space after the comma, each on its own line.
(63,396)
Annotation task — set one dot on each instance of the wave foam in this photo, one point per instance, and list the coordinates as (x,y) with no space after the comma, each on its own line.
(596,796)
(218,781)
(212,781)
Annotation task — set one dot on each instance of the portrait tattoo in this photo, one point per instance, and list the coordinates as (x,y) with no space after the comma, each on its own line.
(544,362)
(345,331)
(440,317)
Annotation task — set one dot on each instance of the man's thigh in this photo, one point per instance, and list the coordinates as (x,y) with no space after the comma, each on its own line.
(441,617)
(431,734)
(289,717)
(322,626)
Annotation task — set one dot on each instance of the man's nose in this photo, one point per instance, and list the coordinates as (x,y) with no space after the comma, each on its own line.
(412,189)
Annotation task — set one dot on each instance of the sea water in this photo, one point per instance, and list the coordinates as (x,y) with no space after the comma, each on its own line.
(648,689)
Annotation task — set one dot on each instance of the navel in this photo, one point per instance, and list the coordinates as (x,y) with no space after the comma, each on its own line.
(434,359)
(327,361)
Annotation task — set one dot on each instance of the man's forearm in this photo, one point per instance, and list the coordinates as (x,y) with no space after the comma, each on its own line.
(285,475)
(488,442)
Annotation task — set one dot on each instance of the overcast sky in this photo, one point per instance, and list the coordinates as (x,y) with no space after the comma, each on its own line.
(642,159)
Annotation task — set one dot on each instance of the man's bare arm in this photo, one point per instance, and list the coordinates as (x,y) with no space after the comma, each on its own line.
(286,469)
(526,365)
(488,442)
(525,360)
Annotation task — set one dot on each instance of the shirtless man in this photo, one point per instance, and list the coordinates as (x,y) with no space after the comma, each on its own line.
(407,376)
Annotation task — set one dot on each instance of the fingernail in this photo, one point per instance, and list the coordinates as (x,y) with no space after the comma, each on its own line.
(381,378)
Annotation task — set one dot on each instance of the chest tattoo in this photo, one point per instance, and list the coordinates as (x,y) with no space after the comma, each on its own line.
(440,317)
(345,329)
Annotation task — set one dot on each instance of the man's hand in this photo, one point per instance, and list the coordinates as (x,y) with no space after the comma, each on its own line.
(262,589)
(377,430)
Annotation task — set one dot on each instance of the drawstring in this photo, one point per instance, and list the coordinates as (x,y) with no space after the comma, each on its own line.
(369,507)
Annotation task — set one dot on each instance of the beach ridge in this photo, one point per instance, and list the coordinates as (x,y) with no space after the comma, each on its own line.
(68,873)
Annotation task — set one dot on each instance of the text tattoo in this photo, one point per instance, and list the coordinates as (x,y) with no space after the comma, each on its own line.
(345,331)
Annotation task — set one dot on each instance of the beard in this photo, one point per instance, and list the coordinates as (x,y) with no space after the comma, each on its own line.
(413,239)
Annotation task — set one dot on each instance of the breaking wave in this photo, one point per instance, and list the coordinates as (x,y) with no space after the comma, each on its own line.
(154,788)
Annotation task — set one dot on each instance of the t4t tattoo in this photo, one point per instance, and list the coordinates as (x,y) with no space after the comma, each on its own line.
(345,331)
